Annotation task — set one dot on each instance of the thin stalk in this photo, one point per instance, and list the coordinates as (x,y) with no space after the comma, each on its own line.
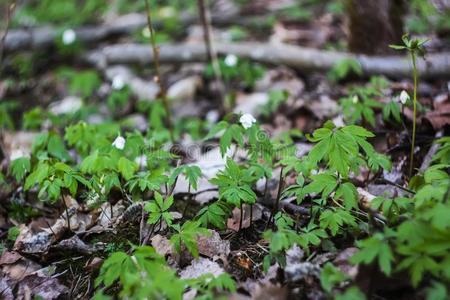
(150,234)
(67,213)
(251,215)
(158,79)
(242,216)
(9,14)
(211,53)
(411,162)
(277,201)
(188,200)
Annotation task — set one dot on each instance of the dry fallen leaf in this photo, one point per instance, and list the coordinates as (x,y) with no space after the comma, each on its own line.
(233,222)
(213,246)
(22,278)
(342,262)
(199,267)
(440,116)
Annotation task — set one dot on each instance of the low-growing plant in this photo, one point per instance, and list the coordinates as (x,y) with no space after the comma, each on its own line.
(144,274)
(6,121)
(415,47)
(159,210)
(276,98)
(362,101)
(13,233)
(340,148)
(330,277)
(215,214)
(186,235)
(238,71)
(235,185)
(344,68)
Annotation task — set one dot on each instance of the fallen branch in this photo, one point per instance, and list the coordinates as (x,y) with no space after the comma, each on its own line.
(43,37)
(431,152)
(304,59)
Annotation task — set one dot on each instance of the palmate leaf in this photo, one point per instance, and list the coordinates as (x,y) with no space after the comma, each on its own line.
(347,191)
(372,248)
(334,220)
(127,167)
(232,132)
(56,147)
(222,282)
(215,214)
(117,265)
(192,173)
(159,209)
(187,235)
(237,194)
(235,184)
(37,176)
(323,184)
(19,167)
(330,276)
(339,147)
(392,109)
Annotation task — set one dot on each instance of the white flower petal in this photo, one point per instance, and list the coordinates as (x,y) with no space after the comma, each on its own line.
(118,83)
(69,36)
(355,99)
(247,120)
(404,97)
(146,32)
(119,143)
(231,60)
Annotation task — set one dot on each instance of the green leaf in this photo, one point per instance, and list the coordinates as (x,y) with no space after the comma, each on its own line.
(127,167)
(330,276)
(19,167)
(56,147)
(372,248)
(222,125)
(352,293)
(348,192)
(37,176)
(321,184)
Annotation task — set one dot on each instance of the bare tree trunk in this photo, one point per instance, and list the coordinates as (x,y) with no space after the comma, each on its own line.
(374,24)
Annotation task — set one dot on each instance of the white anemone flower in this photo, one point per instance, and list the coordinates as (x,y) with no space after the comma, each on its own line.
(247,120)
(231,60)
(355,99)
(69,36)
(118,83)
(404,97)
(119,142)
(146,32)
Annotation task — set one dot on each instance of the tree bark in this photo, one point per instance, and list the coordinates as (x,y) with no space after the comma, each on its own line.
(374,24)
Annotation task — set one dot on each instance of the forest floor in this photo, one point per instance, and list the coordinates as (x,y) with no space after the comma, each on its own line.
(282,178)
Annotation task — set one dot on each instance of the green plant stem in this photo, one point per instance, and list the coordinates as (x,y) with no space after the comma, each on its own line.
(411,162)
(158,79)
(277,201)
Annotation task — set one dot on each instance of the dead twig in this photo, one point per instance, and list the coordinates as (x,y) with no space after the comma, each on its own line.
(431,152)
(9,13)
(205,18)
(157,78)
